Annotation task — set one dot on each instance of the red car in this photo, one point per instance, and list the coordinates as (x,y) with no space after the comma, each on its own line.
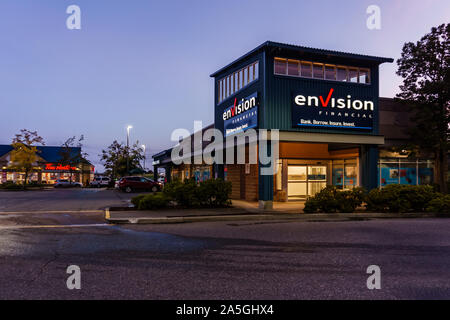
(130,184)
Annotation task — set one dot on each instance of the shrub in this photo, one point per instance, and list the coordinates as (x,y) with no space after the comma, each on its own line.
(331,199)
(135,200)
(209,193)
(183,193)
(153,201)
(440,204)
(400,198)
(214,193)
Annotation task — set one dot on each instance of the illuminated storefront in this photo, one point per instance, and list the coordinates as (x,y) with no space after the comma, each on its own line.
(333,127)
(48,167)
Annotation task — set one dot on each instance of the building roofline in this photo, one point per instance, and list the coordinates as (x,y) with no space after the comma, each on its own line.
(272,44)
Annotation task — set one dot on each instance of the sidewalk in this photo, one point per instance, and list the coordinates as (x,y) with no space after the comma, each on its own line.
(278,207)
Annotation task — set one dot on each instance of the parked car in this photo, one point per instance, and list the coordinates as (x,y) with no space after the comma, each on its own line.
(100,182)
(65,183)
(130,184)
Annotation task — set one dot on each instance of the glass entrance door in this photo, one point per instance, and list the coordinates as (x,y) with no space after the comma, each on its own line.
(306,180)
(297,182)
(317,179)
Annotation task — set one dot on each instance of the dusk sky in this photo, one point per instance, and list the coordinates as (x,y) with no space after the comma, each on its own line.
(147,63)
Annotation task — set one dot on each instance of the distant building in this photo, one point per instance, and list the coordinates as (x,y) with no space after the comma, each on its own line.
(48,167)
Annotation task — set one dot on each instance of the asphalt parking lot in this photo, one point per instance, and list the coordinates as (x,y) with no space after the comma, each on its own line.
(61,200)
(217,260)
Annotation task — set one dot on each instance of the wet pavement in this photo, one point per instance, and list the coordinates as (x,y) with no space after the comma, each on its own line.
(218,260)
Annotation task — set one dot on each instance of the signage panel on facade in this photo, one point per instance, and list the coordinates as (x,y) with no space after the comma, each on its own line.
(241,116)
(53,167)
(332,110)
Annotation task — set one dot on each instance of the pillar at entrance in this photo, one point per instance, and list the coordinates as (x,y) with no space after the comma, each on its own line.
(369,166)
(265,184)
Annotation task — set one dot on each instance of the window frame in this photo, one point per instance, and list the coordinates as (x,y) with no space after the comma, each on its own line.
(275,68)
(235,81)
(325,71)
(312,64)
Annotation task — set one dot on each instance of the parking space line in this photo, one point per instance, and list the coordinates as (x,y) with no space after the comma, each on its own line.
(56,226)
(54,211)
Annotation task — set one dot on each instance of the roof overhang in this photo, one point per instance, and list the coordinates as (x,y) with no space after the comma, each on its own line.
(315,51)
(289,136)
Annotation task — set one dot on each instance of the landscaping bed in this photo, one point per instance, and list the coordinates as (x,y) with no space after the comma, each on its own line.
(393,198)
(213,193)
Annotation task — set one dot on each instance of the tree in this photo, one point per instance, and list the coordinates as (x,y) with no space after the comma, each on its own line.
(24,153)
(114,159)
(424,67)
(70,158)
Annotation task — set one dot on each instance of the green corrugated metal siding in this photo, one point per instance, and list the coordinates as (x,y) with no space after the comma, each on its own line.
(257,86)
(281,90)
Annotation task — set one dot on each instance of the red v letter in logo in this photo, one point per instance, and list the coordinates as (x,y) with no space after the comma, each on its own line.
(233,110)
(324,104)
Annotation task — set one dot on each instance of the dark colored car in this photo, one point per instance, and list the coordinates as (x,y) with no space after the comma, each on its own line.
(130,184)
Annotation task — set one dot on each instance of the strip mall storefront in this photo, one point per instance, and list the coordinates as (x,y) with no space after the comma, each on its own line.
(333,127)
(47,169)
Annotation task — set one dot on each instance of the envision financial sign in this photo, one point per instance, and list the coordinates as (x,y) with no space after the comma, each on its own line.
(242,115)
(332,111)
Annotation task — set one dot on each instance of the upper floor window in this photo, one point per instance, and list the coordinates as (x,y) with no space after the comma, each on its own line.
(238,80)
(318,71)
(309,69)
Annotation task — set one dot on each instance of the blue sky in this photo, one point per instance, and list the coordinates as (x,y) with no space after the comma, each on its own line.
(147,63)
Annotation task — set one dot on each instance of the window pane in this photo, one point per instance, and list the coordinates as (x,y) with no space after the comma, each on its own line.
(241,79)
(236,82)
(364,76)
(353,75)
(318,71)
(229,86)
(245,76)
(351,176)
(341,74)
(223,89)
(280,66)
(250,74)
(330,73)
(293,69)
(306,69)
(256,71)
(220,90)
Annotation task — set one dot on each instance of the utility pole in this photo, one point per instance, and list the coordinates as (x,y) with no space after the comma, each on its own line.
(128,149)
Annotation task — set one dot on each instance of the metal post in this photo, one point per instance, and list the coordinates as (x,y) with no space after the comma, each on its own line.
(128,149)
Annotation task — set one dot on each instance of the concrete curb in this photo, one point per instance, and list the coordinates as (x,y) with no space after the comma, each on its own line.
(319,217)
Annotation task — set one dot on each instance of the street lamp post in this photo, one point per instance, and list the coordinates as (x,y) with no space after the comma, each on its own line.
(128,149)
(143,147)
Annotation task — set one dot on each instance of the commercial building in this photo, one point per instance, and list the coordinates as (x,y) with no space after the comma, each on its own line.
(48,167)
(333,127)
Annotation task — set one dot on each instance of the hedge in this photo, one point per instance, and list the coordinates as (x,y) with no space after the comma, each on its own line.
(153,201)
(440,204)
(332,199)
(211,193)
(400,198)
